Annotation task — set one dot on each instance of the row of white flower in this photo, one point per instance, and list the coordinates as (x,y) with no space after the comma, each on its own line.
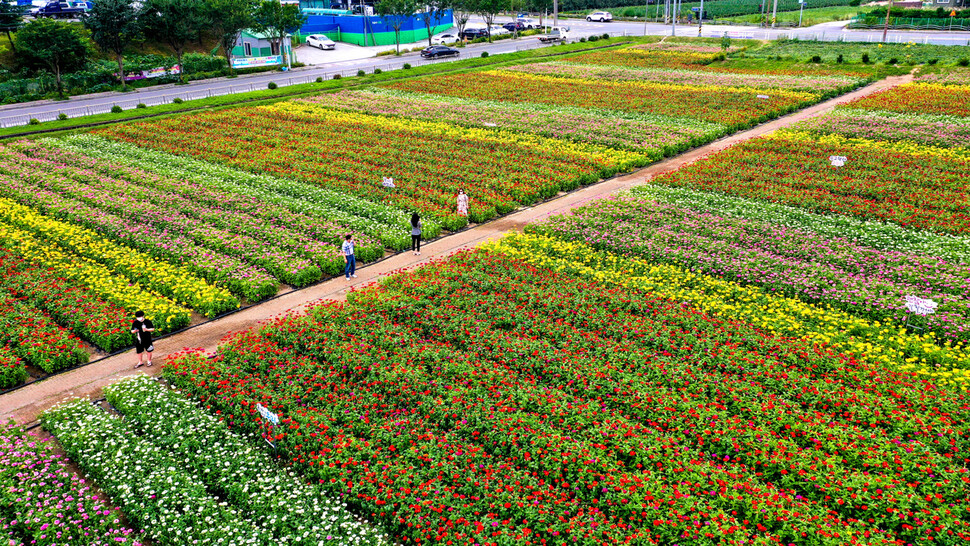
(183,476)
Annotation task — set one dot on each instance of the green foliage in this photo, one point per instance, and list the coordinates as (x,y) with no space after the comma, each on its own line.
(377,71)
(725,42)
(407,66)
(276,20)
(62,116)
(49,45)
(141,105)
(361,73)
(11,18)
(113,25)
(484,54)
(116,109)
(174,22)
(33,121)
(229,18)
(177,100)
(319,79)
(272,85)
(338,76)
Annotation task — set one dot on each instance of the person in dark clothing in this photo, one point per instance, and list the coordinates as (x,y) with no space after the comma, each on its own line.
(142,328)
(416,234)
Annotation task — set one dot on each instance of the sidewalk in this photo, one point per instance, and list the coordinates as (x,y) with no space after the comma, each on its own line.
(26,404)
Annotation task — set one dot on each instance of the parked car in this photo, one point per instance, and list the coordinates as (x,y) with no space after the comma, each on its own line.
(516,26)
(601,16)
(439,51)
(499,30)
(529,23)
(446,38)
(321,41)
(59,10)
(473,33)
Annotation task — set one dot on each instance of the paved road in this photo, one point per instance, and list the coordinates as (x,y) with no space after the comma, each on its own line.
(20,114)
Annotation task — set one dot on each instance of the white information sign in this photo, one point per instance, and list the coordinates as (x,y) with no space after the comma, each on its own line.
(838,160)
(763,97)
(920,306)
(268,415)
(387,182)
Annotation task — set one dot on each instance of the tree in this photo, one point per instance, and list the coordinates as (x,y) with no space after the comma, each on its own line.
(395,13)
(11,18)
(51,45)
(461,11)
(488,9)
(114,24)
(175,23)
(230,18)
(277,20)
(433,14)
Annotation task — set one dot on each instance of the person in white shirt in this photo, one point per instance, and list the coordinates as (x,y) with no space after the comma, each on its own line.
(348,250)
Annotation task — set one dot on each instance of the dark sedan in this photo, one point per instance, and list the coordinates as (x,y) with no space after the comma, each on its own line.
(473,33)
(517,26)
(439,51)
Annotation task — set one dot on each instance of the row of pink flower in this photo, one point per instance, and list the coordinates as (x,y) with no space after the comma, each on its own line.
(933,130)
(812,84)
(953,75)
(45,503)
(861,280)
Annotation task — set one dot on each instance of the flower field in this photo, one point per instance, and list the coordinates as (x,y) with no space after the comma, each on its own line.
(182,476)
(45,503)
(487,399)
(428,160)
(736,107)
(653,136)
(927,98)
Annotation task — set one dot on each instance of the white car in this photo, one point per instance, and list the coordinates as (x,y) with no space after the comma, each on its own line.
(320,41)
(442,39)
(498,30)
(601,16)
(529,23)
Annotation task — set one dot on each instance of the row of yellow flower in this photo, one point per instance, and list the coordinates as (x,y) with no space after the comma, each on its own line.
(167,279)
(901,146)
(661,88)
(165,313)
(600,154)
(872,341)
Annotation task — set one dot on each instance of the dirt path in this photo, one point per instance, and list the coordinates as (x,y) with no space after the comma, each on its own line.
(24,405)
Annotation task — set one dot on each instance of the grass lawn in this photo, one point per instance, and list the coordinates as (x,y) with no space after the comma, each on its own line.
(810,17)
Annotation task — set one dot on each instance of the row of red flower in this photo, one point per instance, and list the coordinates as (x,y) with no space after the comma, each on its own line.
(491,402)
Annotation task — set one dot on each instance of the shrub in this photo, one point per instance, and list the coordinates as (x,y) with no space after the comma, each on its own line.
(62,116)
(272,85)
(605,36)
(840,59)
(141,105)
(964,62)
(865,58)
(319,79)
(33,121)
(593,38)
(484,54)
(931,62)
(894,60)
(337,76)
(816,59)
(377,71)
(116,109)
(407,66)
(177,100)
(582,39)
(725,41)
(361,73)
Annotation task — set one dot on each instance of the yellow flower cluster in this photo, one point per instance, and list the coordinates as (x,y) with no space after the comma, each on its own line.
(870,341)
(165,278)
(900,146)
(165,313)
(660,88)
(599,154)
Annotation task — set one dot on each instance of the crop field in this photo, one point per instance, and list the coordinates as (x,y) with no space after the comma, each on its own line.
(767,345)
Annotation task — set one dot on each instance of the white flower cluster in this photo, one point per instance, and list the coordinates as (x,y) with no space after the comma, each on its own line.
(186,479)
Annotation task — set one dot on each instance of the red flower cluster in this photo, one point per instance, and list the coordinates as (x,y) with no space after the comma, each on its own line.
(488,401)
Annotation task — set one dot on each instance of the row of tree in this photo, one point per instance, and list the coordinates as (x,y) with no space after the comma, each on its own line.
(115,24)
(431,12)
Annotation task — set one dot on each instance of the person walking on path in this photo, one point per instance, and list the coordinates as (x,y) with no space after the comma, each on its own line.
(416,234)
(142,328)
(462,203)
(348,249)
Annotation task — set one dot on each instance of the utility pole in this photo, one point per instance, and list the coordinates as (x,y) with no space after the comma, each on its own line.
(774,14)
(700,19)
(801,11)
(666,12)
(646,6)
(885,29)
(555,13)
(673,29)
